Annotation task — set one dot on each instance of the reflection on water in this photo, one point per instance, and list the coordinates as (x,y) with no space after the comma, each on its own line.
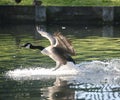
(62,90)
(59,91)
(26,75)
(95,80)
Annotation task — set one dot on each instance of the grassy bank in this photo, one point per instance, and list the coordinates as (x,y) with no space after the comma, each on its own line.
(65,2)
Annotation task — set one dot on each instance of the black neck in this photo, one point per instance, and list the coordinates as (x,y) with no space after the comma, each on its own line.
(36,47)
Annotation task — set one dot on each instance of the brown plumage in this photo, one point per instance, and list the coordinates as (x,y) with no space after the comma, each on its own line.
(63,42)
(60,49)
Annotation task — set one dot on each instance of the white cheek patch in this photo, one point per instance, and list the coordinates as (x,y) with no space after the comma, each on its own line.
(28,46)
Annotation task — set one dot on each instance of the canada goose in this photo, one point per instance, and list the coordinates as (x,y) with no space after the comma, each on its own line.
(60,49)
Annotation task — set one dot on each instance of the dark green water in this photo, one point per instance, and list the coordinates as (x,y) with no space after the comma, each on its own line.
(97,81)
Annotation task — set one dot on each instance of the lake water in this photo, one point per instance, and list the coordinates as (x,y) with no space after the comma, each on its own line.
(28,75)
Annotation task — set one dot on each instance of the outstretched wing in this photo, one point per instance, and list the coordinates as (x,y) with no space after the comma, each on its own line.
(46,35)
(63,42)
(58,40)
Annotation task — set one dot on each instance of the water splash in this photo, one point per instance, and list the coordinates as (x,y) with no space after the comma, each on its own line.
(39,72)
(84,69)
(109,67)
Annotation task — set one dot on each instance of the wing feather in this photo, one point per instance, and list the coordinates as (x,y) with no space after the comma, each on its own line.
(63,42)
(46,35)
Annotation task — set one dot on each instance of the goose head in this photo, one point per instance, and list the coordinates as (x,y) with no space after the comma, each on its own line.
(27,45)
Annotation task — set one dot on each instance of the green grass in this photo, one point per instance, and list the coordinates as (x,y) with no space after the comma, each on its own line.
(65,2)
(80,3)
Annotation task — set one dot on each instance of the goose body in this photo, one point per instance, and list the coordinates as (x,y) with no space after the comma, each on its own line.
(60,50)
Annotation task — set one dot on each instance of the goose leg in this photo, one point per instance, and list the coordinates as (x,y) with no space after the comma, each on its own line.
(57,66)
